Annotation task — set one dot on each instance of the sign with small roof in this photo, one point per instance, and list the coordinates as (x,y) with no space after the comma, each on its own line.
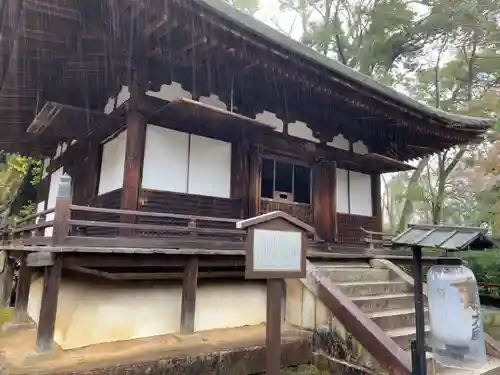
(275,246)
(276,250)
(444,237)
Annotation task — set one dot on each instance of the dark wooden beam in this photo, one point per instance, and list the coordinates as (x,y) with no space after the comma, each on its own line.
(147,261)
(48,308)
(189,288)
(23,291)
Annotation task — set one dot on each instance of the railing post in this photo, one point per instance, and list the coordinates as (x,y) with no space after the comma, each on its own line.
(62,213)
(192,226)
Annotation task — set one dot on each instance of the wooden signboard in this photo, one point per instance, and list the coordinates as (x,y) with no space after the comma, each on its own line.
(276,250)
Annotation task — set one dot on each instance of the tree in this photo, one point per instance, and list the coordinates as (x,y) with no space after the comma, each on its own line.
(17,178)
(375,36)
(248,6)
(467,83)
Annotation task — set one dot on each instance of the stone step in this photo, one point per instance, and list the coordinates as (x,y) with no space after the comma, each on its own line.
(373,288)
(396,318)
(370,304)
(323,265)
(403,336)
(348,274)
(491,368)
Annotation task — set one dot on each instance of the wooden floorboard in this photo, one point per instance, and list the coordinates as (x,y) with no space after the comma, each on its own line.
(335,252)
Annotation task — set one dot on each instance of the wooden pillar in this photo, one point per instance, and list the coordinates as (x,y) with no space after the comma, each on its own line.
(23,291)
(93,162)
(48,308)
(325,200)
(52,272)
(240,175)
(273,326)
(376,192)
(134,158)
(189,288)
(255,172)
(7,280)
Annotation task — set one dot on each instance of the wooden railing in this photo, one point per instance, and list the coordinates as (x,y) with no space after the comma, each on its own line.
(376,240)
(32,225)
(188,230)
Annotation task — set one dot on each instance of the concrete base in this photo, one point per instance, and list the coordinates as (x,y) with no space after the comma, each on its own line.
(237,351)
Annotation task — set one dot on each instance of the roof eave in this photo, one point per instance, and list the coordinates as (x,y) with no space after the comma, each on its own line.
(264,31)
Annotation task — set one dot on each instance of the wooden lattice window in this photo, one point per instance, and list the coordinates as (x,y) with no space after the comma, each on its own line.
(284,181)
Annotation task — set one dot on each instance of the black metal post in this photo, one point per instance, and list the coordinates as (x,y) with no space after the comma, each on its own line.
(419,368)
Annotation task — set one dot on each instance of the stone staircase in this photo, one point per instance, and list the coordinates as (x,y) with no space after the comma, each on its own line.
(388,301)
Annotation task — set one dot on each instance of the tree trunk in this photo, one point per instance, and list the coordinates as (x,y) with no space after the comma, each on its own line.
(408,204)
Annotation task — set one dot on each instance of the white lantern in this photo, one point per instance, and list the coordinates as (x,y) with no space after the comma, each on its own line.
(455,315)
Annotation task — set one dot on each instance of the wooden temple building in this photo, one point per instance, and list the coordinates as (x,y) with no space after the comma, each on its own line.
(174,120)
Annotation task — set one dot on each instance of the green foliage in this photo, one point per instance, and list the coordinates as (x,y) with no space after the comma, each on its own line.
(486,267)
(18,178)
(444,53)
(248,6)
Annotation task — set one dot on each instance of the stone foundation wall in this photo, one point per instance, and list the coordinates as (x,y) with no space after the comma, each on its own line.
(101,311)
(238,361)
(305,311)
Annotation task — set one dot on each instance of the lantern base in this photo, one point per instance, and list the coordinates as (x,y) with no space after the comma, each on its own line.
(455,352)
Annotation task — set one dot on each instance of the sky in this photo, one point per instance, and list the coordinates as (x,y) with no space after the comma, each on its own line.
(270,13)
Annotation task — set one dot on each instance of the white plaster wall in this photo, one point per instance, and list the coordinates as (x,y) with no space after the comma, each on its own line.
(116,101)
(112,164)
(299,129)
(40,207)
(303,309)
(186,163)
(46,163)
(354,195)
(209,167)
(342,191)
(359,148)
(214,101)
(55,179)
(166,160)
(170,92)
(339,142)
(270,118)
(90,313)
(360,193)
